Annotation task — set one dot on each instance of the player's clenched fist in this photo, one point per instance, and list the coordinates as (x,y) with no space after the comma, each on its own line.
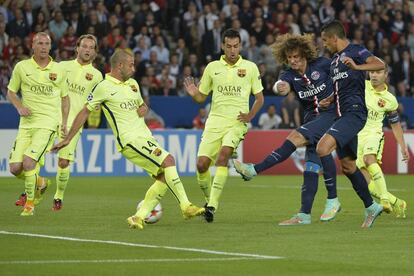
(281,88)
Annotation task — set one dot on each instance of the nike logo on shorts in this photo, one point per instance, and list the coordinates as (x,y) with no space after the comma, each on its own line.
(113,93)
(333,129)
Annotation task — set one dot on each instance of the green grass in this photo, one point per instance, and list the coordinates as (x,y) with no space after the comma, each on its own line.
(97,208)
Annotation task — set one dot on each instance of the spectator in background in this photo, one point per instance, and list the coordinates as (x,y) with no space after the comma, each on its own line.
(404,72)
(270,119)
(152,119)
(290,112)
(163,54)
(4,37)
(18,26)
(58,26)
(199,121)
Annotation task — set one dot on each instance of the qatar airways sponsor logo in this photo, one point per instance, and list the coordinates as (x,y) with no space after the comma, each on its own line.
(312,91)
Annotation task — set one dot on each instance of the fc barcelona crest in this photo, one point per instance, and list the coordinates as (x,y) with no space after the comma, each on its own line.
(241,73)
(89,76)
(157,152)
(381,103)
(134,88)
(52,76)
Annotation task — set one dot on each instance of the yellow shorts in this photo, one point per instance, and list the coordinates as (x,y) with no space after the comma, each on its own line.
(146,153)
(32,142)
(68,152)
(372,144)
(212,141)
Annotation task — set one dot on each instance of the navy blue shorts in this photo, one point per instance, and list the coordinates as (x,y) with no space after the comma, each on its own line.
(316,128)
(345,131)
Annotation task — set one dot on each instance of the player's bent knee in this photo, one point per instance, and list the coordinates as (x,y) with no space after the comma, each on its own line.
(312,167)
(168,161)
(63,163)
(202,167)
(16,168)
(348,168)
(29,164)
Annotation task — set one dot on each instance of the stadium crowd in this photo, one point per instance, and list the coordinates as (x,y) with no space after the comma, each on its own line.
(175,39)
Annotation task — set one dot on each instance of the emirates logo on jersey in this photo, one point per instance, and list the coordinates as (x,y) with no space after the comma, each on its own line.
(52,76)
(381,103)
(88,76)
(134,88)
(241,73)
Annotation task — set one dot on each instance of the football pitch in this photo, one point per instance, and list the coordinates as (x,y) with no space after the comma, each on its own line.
(90,236)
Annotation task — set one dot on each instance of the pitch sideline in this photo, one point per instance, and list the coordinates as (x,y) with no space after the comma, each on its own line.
(206,251)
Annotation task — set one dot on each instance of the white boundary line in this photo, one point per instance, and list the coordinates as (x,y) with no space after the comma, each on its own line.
(34,262)
(206,251)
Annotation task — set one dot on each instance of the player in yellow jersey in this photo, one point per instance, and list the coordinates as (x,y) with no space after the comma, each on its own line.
(124,108)
(82,77)
(380,103)
(41,83)
(231,80)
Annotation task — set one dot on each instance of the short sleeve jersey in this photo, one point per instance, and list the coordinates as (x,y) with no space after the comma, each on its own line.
(41,90)
(120,101)
(80,81)
(379,103)
(311,87)
(349,84)
(231,87)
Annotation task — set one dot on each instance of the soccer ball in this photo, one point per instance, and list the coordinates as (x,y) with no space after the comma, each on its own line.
(154,216)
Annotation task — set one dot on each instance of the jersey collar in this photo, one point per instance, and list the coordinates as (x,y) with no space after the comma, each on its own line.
(38,66)
(81,65)
(375,91)
(222,60)
(114,80)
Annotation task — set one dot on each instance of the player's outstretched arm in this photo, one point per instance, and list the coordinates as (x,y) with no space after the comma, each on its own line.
(76,125)
(17,103)
(371,64)
(399,136)
(193,91)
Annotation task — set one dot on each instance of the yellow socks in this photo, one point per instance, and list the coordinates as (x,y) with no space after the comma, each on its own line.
(176,186)
(152,198)
(379,180)
(218,183)
(30,184)
(204,180)
(62,178)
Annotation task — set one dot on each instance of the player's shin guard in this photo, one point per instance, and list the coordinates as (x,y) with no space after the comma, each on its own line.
(30,184)
(379,180)
(152,198)
(176,186)
(309,189)
(277,156)
(62,178)
(361,187)
(218,184)
(204,180)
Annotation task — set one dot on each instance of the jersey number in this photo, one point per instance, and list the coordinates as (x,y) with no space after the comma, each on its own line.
(150,145)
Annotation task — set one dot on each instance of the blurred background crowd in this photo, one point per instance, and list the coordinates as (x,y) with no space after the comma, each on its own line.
(174,39)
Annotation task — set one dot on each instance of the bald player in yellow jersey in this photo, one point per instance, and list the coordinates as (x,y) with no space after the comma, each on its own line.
(82,77)
(231,80)
(380,103)
(124,108)
(41,83)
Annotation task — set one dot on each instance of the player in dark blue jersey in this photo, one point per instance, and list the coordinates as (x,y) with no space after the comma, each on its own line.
(309,78)
(348,67)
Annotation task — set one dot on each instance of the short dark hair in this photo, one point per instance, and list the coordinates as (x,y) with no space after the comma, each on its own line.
(230,33)
(334,27)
